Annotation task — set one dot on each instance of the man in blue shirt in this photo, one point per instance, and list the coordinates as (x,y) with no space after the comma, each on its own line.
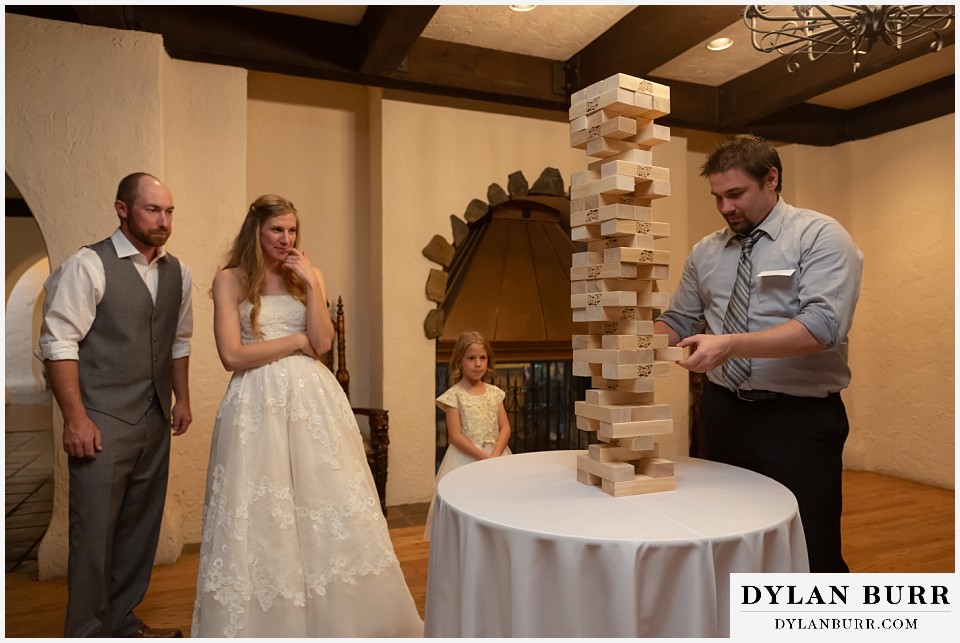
(776,361)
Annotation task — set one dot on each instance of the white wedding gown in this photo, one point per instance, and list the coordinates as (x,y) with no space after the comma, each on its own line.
(294,542)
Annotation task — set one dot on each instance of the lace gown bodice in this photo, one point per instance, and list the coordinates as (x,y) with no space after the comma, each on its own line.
(280,316)
(294,543)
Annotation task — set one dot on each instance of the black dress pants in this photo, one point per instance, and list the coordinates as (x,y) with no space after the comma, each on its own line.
(797,441)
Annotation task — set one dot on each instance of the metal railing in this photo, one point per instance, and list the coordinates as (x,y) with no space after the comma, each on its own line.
(539,405)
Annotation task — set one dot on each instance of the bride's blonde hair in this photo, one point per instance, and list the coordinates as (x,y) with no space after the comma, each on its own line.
(247,255)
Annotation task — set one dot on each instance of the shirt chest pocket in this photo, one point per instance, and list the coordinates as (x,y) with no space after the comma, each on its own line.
(777,296)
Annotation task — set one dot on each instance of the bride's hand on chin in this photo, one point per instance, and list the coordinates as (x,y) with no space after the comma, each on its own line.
(298,263)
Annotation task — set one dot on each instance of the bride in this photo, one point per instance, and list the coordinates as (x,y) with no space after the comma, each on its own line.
(294,542)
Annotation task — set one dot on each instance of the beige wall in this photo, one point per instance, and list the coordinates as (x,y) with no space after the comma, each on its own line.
(902,350)
(86,106)
(376,174)
(435,160)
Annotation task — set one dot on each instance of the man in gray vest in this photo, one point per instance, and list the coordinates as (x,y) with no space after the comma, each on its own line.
(115,340)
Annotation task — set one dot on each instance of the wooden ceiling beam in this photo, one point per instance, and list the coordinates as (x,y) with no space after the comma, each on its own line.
(771,88)
(466,71)
(924,103)
(649,36)
(768,101)
(388,34)
(260,40)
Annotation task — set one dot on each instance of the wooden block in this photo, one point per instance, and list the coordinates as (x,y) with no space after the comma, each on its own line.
(613,185)
(585,477)
(652,107)
(627,342)
(671,354)
(602,396)
(635,443)
(639,485)
(655,467)
(640,172)
(611,313)
(587,424)
(618,430)
(605,452)
(616,471)
(632,371)
(618,100)
(594,89)
(610,285)
(616,413)
(579,96)
(600,356)
(644,241)
(616,128)
(638,385)
(586,258)
(621,228)
(585,233)
(661,107)
(606,147)
(615,211)
(651,135)
(625,326)
(585,369)
(635,84)
(636,255)
(594,299)
(632,155)
(583,176)
(604,270)
(599,200)
(598,117)
(621,270)
(651,190)
(653,300)
(581,342)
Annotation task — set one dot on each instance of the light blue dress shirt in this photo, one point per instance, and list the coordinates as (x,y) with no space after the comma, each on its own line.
(805,267)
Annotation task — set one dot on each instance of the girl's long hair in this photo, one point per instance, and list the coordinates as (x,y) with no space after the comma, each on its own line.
(247,255)
(460,348)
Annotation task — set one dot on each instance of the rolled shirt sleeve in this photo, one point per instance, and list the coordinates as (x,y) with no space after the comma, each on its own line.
(73,291)
(830,269)
(181,343)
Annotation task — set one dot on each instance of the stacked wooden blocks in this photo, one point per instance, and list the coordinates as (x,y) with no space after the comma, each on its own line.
(613,283)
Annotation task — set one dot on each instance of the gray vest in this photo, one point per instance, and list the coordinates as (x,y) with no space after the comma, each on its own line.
(127,357)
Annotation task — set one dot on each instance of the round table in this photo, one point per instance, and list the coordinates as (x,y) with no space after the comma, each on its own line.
(519,548)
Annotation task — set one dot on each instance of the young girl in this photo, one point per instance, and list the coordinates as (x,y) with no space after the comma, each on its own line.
(477,425)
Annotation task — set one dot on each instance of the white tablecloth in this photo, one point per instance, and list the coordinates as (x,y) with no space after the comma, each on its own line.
(519,548)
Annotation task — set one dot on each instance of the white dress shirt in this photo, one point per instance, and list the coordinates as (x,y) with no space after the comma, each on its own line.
(806,267)
(76,287)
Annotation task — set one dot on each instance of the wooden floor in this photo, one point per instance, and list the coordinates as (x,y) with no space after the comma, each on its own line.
(889,525)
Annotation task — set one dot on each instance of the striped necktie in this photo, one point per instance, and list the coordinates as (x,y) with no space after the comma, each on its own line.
(736,371)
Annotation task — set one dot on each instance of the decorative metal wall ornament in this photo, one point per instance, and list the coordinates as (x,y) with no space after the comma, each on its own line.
(816,30)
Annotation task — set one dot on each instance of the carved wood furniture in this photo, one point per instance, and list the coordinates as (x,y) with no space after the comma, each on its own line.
(375,443)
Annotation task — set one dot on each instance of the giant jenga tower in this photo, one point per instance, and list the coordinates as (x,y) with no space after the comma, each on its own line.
(613,283)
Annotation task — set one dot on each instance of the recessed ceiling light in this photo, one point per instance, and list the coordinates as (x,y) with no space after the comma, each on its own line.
(520,8)
(719,44)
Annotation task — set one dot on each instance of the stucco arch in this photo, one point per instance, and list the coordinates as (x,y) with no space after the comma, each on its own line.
(24,372)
